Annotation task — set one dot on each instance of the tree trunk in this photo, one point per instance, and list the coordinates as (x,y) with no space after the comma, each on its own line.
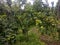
(59,34)
(6,43)
(25,33)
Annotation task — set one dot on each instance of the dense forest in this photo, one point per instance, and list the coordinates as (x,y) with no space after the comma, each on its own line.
(23,23)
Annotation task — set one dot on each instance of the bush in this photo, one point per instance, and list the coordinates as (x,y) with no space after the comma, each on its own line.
(32,39)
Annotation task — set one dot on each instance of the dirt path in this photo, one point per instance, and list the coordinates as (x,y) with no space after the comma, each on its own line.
(48,41)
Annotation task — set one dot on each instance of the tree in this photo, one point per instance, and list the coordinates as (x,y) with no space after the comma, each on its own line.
(52,6)
(58,9)
(2,7)
(37,5)
(9,2)
(21,3)
(58,16)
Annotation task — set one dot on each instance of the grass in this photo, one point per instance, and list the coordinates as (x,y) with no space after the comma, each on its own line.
(33,38)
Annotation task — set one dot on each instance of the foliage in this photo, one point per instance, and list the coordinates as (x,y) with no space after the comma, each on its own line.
(47,24)
(8,29)
(15,23)
(33,39)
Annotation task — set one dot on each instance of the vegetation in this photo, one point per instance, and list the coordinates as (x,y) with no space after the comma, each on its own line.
(26,26)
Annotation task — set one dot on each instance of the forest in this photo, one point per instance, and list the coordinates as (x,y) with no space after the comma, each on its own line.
(23,23)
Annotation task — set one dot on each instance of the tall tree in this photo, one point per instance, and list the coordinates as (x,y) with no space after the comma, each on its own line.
(9,2)
(58,9)
(52,3)
(21,3)
(47,2)
(37,5)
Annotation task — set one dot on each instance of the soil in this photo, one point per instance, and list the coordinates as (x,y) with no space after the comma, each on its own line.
(49,41)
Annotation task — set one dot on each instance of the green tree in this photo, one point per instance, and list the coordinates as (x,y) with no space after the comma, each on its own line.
(37,5)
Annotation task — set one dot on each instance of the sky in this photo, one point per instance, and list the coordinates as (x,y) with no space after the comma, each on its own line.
(49,1)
